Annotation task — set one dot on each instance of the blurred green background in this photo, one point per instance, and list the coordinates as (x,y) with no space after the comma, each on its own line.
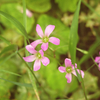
(45,12)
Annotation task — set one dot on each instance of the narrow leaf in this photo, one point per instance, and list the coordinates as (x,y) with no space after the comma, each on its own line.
(8,48)
(73,42)
(2,70)
(17,83)
(8,57)
(15,22)
(5,40)
(73,34)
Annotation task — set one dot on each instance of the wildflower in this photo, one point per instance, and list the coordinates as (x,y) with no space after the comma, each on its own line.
(38,56)
(70,69)
(97,60)
(45,37)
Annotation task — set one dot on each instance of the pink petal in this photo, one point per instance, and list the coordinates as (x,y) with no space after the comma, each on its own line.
(29,58)
(44,46)
(69,77)
(54,40)
(74,72)
(35,43)
(37,65)
(45,61)
(99,66)
(82,74)
(62,69)
(68,62)
(97,59)
(39,30)
(75,66)
(31,49)
(79,71)
(49,30)
(41,52)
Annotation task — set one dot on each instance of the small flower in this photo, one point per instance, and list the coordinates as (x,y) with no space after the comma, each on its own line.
(45,37)
(38,56)
(97,60)
(69,68)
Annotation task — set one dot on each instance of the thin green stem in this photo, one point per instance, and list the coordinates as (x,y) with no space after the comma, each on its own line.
(24,13)
(28,67)
(82,84)
(90,67)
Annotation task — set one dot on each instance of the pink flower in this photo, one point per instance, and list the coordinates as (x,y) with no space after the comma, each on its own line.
(38,56)
(45,37)
(97,60)
(69,68)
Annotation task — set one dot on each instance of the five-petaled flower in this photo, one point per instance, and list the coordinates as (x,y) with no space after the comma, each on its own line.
(69,68)
(97,60)
(45,37)
(38,56)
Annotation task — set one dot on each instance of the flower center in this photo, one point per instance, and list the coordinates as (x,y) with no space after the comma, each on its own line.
(69,69)
(45,39)
(38,55)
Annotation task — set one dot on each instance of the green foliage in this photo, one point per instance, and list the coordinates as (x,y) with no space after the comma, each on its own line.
(5,40)
(15,22)
(15,10)
(90,83)
(67,5)
(60,31)
(53,84)
(6,86)
(13,37)
(57,81)
(39,5)
(8,48)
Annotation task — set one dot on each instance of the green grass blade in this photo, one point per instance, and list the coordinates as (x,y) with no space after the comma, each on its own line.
(73,34)
(24,13)
(5,40)
(32,76)
(17,83)
(8,48)
(34,84)
(15,22)
(73,43)
(8,57)
(5,71)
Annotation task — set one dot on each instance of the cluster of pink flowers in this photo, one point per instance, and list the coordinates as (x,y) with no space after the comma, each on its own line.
(38,56)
